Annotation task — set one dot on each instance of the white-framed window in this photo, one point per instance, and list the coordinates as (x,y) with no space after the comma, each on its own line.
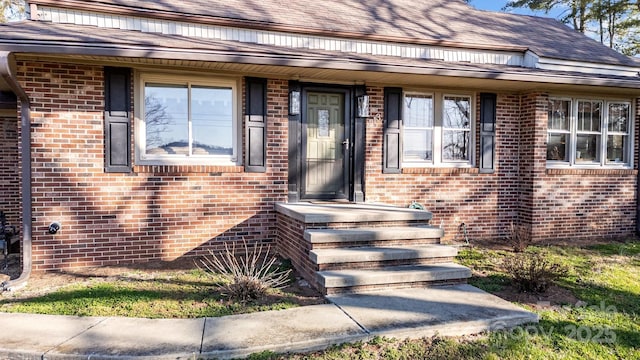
(588,132)
(183,119)
(437,129)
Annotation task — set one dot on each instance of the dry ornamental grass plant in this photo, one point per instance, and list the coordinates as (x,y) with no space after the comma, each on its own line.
(250,274)
(533,272)
(519,237)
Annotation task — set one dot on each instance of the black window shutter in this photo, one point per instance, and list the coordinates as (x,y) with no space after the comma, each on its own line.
(487,132)
(392,143)
(117,124)
(256,125)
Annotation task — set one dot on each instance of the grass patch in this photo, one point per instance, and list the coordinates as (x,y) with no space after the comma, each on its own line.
(602,321)
(175,294)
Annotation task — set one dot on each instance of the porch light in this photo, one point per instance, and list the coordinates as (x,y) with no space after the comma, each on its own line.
(363,106)
(294,102)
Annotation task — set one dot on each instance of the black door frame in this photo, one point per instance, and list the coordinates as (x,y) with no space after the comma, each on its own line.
(354,132)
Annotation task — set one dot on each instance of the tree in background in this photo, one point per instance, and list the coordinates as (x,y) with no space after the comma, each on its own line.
(11,9)
(615,23)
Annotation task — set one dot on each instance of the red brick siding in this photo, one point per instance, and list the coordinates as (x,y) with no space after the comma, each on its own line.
(165,212)
(574,203)
(9,169)
(532,153)
(154,213)
(293,246)
(486,203)
(594,203)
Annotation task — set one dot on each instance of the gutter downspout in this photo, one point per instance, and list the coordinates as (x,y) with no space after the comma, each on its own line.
(25,157)
(637,155)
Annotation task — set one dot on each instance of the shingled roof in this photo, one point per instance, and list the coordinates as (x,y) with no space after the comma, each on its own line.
(115,45)
(442,22)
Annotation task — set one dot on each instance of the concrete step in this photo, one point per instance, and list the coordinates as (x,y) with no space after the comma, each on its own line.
(364,254)
(371,234)
(310,213)
(405,275)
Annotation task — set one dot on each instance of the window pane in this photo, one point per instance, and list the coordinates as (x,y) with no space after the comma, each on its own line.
(618,117)
(617,149)
(456,112)
(589,115)
(418,145)
(559,114)
(418,111)
(557,147)
(166,119)
(587,148)
(212,120)
(455,145)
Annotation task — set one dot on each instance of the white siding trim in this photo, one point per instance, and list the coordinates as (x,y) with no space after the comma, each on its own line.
(282,39)
(587,68)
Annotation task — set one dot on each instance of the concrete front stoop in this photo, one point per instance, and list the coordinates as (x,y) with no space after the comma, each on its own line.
(356,248)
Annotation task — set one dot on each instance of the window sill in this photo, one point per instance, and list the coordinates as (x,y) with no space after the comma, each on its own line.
(440,170)
(592,171)
(187,169)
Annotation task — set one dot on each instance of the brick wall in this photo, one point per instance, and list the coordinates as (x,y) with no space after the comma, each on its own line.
(569,203)
(485,203)
(157,212)
(9,169)
(166,212)
(552,204)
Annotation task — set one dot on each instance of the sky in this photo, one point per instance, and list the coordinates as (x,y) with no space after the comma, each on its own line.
(497,5)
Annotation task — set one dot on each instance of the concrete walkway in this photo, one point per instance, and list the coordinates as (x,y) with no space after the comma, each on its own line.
(417,312)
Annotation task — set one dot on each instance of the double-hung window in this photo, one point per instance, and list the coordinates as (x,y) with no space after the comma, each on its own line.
(437,129)
(618,133)
(184,120)
(418,127)
(456,129)
(559,130)
(588,132)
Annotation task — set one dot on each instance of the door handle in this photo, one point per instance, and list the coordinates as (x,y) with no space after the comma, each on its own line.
(346,144)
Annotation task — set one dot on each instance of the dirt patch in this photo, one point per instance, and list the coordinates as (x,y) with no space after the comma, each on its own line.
(43,283)
(13,269)
(553,297)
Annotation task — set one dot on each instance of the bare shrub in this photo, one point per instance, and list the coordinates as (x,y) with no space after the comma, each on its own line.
(519,237)
(533,272)
(250,274)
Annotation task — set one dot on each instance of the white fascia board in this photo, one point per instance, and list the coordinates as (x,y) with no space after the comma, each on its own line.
(531,59)
(587,67)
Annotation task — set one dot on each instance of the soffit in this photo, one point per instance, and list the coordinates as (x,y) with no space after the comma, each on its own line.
(349,77)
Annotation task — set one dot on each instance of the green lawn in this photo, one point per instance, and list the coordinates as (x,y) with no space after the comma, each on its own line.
(600,322)
(173,294)
(604,322)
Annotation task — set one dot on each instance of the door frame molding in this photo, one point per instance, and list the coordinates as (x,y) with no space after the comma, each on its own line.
(354,131)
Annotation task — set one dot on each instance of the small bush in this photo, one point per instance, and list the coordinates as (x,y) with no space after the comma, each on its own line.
(250,275)
(532,272)
(519,237)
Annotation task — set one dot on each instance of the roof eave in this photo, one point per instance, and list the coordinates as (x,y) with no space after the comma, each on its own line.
(315,61)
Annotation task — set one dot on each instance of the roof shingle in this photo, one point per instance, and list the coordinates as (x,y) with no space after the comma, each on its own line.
(436,21)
